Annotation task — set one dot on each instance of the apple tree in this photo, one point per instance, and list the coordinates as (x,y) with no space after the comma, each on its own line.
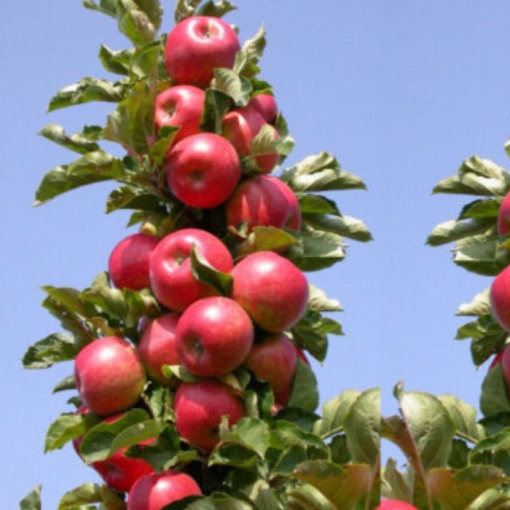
(190,353)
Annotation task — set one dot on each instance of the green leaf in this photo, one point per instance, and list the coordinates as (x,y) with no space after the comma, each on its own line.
(250,433)
(307,497)
(454,230)
(93,167)
(479,305)
(250,54)
(494,397)
(266,239)
(85,91)
(493,499)
(320,173)
(136,24)
(493,450)
(456,491)
(31,501)
(54,348)
(205,273)
(90,493)
(78,142)
(304,393)
(486,208)
(108,7)
(319,302)
(117,62)
(185,8)
(68,427)
(133,197)
(394,483)
(230,83)
(68,383)
(217,8)
(216,104)
(362,427)
(345,226)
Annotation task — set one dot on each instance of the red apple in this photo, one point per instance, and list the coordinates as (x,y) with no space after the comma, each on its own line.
(118,471)
(180,106)
(274,360)
(198,45)
(503,222)
(264,201)
(203,170)
(266,105)
(214,336)
(109,375)
(157,347)
(271,289)
(199,408)
(505,367)
(157,490)
(241,126)
(128,263)
(172,280)
(395,504)
(500,298)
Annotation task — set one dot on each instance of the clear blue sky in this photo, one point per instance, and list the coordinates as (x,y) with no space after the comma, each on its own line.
(401,92)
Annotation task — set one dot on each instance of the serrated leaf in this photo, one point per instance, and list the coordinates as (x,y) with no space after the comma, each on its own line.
(32,501)
(66,428)
(493,450)
(53,349)
(494,398)
(464,418)
(250,433)
(185,8)
(237,87)
(334,412)
(117,62)
(217,8)
(108,7)
(78,142)
(136,24)
(205,273)
(454,230)
(319,302)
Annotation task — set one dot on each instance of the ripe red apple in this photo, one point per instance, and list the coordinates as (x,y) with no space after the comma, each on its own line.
(264,201)
(203,170)
(109,375)
(395,504)
(118,471)
(157,490)
(128,263)
(172,280)
(157,347)
(180,106)
(500,298)
(214,336)
(274,359)
(198,45)
(503,221)
(199,408)
(271,289)
(266,105)
(241,126)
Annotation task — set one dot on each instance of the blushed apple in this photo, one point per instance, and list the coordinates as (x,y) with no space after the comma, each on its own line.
(395,504)
(128,264)
(271,289)
(171,276)
(202,170)
(266,105)
(198,45)
(503,221)
(109,375)
(199,408)
(157,347)
(214,336)
(156,491)
(500,298)
(181,106)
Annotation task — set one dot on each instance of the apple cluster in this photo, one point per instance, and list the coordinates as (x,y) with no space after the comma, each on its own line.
(203,330)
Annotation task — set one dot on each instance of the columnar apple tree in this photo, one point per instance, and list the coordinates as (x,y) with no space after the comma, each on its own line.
(190,383)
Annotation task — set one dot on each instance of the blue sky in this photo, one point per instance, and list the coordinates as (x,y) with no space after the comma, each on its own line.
(401,92)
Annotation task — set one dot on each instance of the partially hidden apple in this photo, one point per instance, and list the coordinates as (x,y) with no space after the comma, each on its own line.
(271,289)
(214,336)
(156,491)
(241,126)
(503,221)
(199,408)
(118,471)
(264,200)
(128,264)
(198,45)
(171,275)
(157,347)
(266,105)
(395,504)
(109,375)
(500,298)
(202,170)
(181,106)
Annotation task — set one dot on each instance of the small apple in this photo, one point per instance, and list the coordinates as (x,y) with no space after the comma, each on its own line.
(180,106)
(109,375)
(214,336)
(503,222)
(500,298)
(264,201)
(128,264)
(202,170)
(266,105)
(198,45)
(271,289)
(199,408)
(241,126)
(395,504)
(118,471)
(172,279)
(274,359)
(156,491)
(157,347)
